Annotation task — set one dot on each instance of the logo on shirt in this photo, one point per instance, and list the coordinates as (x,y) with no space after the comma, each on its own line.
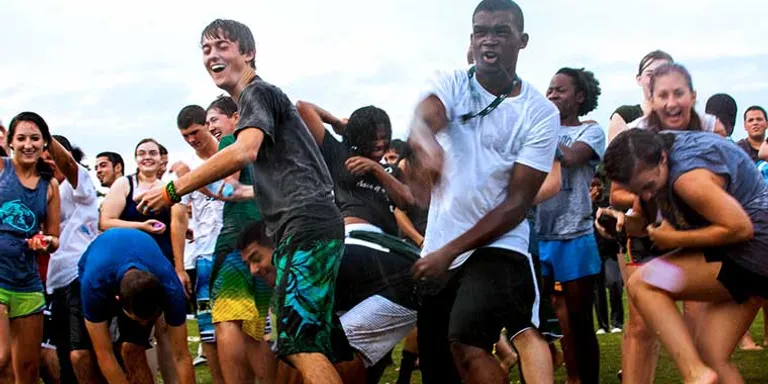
(18,216)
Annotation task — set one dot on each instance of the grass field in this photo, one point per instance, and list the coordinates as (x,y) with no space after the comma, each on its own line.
(753,364)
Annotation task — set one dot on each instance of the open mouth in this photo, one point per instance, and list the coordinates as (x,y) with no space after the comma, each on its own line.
(216,68)
(490,57)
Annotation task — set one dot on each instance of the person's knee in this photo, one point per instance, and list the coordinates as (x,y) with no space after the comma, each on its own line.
(636,328)
(465,356)
(5,357)
(80,358)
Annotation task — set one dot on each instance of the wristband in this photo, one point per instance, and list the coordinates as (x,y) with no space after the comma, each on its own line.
(171,190)
(166,197)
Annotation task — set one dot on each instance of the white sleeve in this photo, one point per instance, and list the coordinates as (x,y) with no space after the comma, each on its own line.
(85,193)
(594,137)
(538,150)
(444,86)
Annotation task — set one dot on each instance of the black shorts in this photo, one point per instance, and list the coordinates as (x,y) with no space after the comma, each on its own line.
(68,321)
(130,331)
(494,289)
(641,250)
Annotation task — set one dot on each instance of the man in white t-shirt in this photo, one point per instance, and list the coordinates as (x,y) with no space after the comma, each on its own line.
(79,226)
(207,216)
(485,140)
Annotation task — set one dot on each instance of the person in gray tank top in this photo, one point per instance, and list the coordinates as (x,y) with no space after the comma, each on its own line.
(29,223)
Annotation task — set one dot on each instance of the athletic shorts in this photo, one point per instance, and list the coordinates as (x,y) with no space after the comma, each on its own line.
(203,267)
(568,260)
(236,295)
(68,323)
(192,302)
(131,331)
(374,326)
(303,300)
(21,304)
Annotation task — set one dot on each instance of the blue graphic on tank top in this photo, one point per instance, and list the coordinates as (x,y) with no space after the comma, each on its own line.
(18,216)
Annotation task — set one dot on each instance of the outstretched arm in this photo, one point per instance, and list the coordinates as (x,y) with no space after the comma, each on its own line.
(105,355)
(427,161)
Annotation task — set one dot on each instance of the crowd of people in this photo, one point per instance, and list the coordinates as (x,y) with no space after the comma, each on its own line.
(307,246)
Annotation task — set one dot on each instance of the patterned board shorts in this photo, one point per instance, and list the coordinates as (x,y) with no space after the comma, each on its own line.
(236,295)
(303,300)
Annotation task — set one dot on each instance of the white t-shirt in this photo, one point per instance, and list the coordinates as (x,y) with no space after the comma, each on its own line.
(189,249)
(79,226)
(480,154)
(207,214)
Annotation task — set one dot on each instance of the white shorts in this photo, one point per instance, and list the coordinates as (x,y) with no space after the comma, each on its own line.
(375,326)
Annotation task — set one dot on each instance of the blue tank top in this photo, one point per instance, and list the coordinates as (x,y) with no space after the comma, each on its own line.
(130,213)
(22,213)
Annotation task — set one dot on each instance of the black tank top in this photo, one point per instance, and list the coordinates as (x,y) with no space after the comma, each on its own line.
(130,213)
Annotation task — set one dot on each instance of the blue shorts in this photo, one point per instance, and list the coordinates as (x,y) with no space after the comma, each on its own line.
(203,292)
(568,260)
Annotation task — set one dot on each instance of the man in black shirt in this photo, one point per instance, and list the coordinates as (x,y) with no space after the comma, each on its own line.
(755,124)
(295,196)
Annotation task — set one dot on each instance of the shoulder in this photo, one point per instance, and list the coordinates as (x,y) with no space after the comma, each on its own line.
(260,89)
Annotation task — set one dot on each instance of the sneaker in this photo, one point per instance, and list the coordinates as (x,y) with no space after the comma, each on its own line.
(600,332)
(199,360)
(618,374)
(616,330)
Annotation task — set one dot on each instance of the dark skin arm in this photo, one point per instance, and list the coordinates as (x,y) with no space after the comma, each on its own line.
(315,119)
(427,162)
(65,162)
(397,191)
(524,184)
(577,154)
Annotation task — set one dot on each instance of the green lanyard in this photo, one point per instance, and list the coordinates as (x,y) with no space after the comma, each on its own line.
(495,103)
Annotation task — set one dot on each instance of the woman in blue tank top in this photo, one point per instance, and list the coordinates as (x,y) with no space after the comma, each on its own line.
(29,223)
(119,207)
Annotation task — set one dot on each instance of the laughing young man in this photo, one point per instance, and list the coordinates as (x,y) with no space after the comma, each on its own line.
(295,196)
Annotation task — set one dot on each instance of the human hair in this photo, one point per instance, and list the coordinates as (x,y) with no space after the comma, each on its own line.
(654,122)
(149,140)
(141,294)
(651,57)
(502,6)
(632,150)
(233,31)
(255,232)
(755,108)
(76,152)
(163,150)
(363,126)
(190,115)
(42,167)
(397,145)
(584,81)
(225,105)
(114,158)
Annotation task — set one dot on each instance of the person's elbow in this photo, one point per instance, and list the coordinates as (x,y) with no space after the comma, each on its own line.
(742,231)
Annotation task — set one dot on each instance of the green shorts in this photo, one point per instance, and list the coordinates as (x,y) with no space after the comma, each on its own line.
(20,304)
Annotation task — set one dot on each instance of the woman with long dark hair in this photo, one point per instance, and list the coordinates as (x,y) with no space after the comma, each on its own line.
(714,205)
(29,212)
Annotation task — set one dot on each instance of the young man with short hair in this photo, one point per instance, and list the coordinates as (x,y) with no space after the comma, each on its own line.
(755,123)
(123,273)
(109,168)
(206,213)
(484,167)
(295,196)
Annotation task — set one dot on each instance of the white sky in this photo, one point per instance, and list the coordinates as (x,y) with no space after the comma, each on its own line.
(108,74)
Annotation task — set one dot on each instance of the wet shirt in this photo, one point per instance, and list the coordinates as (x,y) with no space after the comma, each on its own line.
(292,182)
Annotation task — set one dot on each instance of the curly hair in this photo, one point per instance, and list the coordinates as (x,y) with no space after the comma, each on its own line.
(363,126)
(584,81)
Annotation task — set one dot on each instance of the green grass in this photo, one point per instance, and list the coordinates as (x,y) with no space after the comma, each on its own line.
(753,364)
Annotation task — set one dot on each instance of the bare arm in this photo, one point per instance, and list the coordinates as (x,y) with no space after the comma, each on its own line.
(113,206)
(65,162)
(399,192)
(406,225)
(51,227)
(704,192)
(616,126)
(179,226)
(577,154)
(181,359)
(551,186)
(427,160)
(315,118)
(105,355)
(620,198)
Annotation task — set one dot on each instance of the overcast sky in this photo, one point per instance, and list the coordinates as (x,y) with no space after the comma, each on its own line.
(107,74)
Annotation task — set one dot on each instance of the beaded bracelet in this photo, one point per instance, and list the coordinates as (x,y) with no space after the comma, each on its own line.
(172,195)
(167,197)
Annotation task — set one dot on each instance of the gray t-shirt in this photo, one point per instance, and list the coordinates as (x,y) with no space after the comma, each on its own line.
(568,215)
(293,185)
